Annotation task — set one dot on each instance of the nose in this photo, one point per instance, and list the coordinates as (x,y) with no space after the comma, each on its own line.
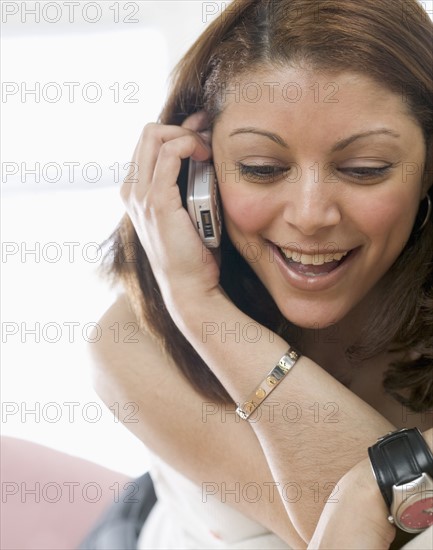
(312,203)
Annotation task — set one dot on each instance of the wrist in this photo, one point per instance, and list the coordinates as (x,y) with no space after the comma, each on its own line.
(190,309)
(212,318)
(366,491)
(238,349)
(356,516)
(402,463)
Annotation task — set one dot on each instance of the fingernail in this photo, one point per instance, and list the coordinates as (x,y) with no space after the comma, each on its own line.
(206,135)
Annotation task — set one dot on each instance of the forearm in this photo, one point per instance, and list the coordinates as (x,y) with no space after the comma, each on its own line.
(204,442)
(299,449)
(360,498)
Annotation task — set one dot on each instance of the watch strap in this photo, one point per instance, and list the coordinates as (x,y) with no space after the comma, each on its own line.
(399,457)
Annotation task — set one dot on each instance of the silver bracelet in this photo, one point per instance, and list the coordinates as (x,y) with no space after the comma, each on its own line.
(273,378)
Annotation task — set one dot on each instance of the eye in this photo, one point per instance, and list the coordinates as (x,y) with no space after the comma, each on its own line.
(366,173)
(261,172)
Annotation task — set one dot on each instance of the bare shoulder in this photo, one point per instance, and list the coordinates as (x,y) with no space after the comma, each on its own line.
(130,367)
(118,325)
(121,345)
(121,338)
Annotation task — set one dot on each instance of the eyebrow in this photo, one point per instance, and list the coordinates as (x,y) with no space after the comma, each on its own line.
(343,143)
(250,130)
(340,145)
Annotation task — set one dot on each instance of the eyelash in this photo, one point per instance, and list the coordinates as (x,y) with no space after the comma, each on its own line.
(368,173)
(270,172)
(263,172)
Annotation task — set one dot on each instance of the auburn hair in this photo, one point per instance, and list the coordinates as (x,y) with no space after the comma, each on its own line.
(390,41)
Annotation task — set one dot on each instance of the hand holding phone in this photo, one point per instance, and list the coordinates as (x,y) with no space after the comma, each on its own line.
(203,202)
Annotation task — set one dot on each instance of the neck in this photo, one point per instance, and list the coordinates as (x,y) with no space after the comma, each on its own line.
(327,346)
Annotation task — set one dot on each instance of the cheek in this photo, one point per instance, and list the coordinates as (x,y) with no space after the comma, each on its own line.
(387,214)
(243,211)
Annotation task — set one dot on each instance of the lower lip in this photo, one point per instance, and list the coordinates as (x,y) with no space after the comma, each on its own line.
(302,281)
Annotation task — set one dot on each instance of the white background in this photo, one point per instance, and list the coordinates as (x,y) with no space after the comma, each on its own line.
(56,286)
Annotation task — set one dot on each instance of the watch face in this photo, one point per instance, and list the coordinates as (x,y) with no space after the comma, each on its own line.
(417,515)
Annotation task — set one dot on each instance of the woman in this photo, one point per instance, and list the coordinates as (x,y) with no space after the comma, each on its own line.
(317,117)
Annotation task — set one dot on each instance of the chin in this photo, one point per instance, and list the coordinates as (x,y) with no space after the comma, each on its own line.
(312,317)
(310,323)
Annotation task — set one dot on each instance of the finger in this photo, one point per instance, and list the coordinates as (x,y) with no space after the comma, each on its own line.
(154,135)
(197,121)
(206,135)
(187,144)
(168,164)
(146,154)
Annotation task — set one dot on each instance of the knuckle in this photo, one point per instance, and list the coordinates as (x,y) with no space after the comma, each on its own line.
(150,127)
(167,149)
(150,131)
(151,206)
(174,147)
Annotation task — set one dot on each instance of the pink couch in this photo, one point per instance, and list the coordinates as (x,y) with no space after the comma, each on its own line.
(50,500)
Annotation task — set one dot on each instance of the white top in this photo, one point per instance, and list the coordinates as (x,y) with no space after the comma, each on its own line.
(189,517)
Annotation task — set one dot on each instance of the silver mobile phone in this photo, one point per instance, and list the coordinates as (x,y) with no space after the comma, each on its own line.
(203,202)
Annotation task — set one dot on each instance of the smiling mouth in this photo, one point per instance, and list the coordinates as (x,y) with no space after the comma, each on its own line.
(313,265)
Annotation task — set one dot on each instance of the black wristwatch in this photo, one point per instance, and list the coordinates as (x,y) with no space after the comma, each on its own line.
(403,466)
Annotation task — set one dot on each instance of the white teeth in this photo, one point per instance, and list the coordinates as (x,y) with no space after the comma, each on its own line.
(315,259)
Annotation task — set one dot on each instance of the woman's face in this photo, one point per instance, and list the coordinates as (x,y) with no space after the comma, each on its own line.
(320,177)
